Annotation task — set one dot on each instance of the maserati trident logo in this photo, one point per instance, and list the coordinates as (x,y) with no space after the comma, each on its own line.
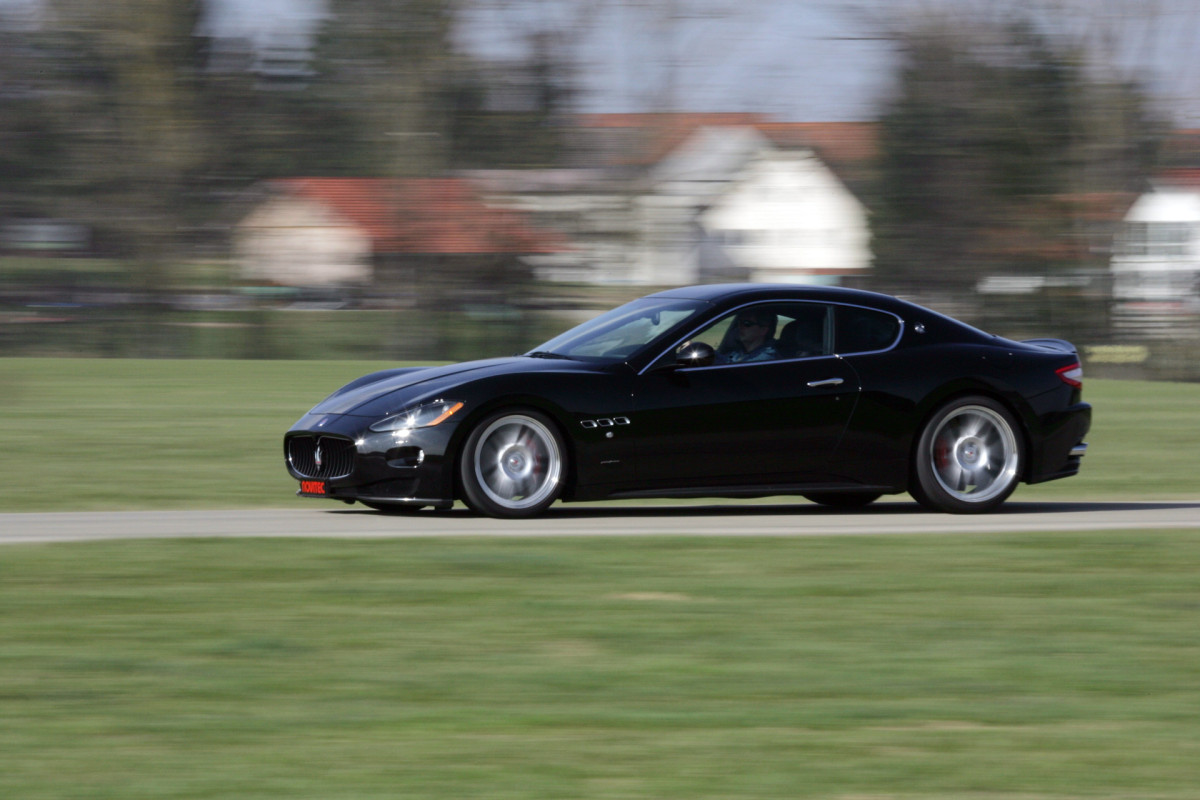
(317,457)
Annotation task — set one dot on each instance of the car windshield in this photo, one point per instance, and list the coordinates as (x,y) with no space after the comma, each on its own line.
(618,334)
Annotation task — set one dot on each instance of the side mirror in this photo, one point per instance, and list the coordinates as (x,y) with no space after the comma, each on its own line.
(695,354)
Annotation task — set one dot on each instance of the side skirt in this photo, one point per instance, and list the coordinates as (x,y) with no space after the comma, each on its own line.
(764,490)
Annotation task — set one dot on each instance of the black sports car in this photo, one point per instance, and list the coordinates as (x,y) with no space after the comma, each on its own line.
(836,395)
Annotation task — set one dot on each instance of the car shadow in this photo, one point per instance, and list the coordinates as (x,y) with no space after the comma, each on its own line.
(1075,507)
(879,509)
(884,508)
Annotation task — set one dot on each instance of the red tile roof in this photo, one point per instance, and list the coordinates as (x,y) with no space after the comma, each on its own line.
(657,134)
(843,142)
(670,120)
(1183,177)
(847,141)
(848,148)
(431,216)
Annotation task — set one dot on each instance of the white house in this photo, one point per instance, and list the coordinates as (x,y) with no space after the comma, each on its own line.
(712,197)
(1157,258)
(727,204)
(293,240)
(787,218)
(671,247)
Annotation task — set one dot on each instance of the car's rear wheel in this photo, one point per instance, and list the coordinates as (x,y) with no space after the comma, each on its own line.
(512,464)
(968,458)
(843,499)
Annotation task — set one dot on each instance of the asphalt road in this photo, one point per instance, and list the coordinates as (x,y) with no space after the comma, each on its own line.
(318,519)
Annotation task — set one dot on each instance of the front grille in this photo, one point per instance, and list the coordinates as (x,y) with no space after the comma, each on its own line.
(321,456)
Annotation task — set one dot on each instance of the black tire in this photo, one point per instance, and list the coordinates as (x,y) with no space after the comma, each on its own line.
(969,457)
(513,464)
(843,499)
(392,508)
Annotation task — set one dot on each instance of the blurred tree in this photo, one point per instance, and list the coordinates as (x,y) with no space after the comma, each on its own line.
(125,97)
(994,152)
(378,63)
(30,147)
(267,121)
(510,114)
(106,131)
(117,114)
(417,105)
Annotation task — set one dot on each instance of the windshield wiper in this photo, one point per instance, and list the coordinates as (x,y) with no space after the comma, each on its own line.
(548,354)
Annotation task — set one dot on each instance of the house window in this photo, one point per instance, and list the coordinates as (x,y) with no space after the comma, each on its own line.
(1160,239)
(733,238)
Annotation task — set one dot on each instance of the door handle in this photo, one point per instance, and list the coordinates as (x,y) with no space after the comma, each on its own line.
(826,382)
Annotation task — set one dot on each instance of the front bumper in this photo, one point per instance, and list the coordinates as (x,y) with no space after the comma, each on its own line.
(338,457)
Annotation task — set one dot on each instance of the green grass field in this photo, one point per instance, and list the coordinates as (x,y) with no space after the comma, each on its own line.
(1005,666)
(111,433)
(117,433)
(1016,666)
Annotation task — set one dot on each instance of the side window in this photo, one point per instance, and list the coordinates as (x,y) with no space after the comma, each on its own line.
(804,330)
(744,336)
(769,332)
(861,330)
(714,334)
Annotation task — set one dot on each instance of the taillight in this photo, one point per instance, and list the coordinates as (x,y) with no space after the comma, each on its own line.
(1072,375)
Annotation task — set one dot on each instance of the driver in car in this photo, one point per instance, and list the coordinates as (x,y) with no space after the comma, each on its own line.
(753,339)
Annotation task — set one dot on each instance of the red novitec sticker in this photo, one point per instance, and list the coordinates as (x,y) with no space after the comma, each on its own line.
(312,487)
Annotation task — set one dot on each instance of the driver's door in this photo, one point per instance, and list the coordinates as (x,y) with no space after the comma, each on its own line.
(731,424)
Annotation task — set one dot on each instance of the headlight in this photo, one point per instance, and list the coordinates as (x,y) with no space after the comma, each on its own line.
(425,416)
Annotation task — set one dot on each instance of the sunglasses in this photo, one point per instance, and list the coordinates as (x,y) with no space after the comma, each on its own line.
(749,323)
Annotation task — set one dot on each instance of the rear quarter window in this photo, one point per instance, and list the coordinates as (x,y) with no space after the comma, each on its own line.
(862,330)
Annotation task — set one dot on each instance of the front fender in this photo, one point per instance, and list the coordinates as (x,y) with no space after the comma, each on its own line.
(594,457)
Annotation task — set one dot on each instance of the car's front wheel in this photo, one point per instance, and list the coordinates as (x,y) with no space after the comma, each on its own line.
(968,458)
(513,464)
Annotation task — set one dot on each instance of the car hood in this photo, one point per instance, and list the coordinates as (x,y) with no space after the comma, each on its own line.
(390,391)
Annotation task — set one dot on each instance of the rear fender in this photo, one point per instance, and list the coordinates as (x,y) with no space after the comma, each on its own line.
(1016,405)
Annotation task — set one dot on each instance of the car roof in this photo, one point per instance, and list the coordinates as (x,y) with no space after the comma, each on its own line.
(724,296)
(722,293)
